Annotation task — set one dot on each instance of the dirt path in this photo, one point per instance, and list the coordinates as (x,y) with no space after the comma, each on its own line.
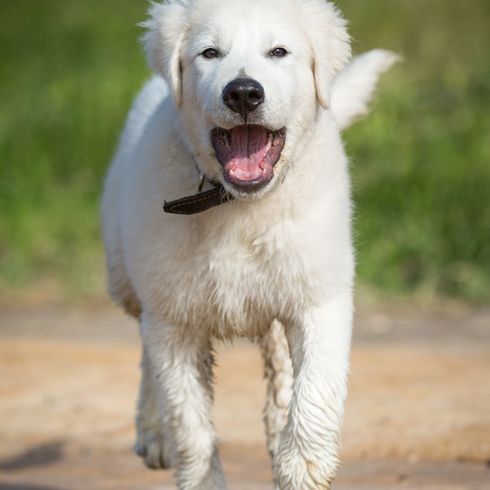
(418,414)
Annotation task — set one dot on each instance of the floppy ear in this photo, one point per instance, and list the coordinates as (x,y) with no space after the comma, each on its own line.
(163,41)
(330,44)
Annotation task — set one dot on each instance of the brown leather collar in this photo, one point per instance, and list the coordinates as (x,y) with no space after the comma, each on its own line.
(198,202)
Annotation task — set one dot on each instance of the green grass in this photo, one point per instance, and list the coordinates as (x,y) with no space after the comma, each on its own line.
(69,71)
(420,162)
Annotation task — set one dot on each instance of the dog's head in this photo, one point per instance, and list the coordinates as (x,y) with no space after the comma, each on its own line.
(248,79)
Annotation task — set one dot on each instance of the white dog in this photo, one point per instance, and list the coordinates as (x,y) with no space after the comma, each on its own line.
(253,97)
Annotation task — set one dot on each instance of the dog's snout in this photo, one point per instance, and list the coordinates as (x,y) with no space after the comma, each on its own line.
(243,95)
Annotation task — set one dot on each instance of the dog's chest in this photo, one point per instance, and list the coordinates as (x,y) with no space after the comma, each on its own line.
(236,283)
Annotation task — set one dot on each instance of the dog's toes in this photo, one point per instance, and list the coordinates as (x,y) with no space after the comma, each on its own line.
(152,449)
(155,457)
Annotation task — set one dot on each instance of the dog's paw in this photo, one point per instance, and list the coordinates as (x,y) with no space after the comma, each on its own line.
(297,467)
(153,446)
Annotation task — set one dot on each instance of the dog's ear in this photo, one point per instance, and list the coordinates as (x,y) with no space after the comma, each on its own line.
(330,44)
(163,39)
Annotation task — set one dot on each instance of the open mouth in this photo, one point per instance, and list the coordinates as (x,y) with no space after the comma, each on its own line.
(248,154)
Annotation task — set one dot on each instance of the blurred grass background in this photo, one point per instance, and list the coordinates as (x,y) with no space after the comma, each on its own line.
(420,161)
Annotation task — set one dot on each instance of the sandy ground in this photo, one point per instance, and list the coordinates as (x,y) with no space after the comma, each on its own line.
(418,414)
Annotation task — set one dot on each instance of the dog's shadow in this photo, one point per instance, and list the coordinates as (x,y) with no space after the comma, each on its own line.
(25,486)
(40,455)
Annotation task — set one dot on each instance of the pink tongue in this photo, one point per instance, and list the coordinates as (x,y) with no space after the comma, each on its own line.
(249,145)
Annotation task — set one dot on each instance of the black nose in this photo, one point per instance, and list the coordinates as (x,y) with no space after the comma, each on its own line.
(243,95)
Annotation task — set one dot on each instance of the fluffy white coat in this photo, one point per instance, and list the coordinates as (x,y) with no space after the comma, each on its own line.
(276,265)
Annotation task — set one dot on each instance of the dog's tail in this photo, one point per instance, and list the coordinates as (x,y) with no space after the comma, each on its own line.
(354,87)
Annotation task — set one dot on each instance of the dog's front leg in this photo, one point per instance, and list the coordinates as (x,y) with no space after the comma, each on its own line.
(319,342)
(182,363)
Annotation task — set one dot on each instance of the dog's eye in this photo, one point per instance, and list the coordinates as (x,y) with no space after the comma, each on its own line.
(210,53)
(278,53)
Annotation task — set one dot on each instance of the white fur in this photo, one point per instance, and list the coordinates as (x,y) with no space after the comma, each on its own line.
(277,265)
(354,87)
